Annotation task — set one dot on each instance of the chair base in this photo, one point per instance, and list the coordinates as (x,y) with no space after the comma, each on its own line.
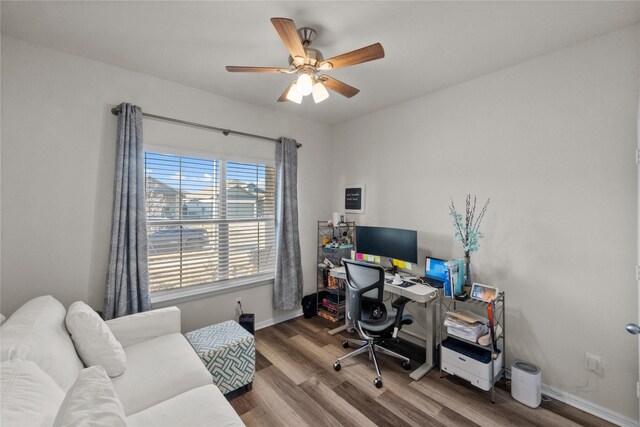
(372,347)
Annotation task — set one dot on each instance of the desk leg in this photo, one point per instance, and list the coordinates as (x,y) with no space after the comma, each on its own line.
(337,330)
(421,371)
(431,328)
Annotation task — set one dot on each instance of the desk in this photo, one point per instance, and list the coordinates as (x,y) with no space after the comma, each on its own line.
(419,293)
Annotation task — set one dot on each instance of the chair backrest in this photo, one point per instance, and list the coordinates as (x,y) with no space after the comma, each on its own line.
(361,275)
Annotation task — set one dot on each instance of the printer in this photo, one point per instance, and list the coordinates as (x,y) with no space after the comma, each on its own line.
(469,362)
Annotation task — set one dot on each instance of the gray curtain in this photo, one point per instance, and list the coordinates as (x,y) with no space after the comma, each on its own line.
(287,289)
(128,277)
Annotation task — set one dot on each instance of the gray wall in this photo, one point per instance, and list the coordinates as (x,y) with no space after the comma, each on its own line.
(552,142)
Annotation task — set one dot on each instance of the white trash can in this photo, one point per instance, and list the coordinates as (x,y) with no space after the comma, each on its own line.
(526,383)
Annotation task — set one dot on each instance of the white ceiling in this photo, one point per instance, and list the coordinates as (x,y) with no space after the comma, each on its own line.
(428,45)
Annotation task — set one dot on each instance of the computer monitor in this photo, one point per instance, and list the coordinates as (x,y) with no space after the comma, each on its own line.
(388,242)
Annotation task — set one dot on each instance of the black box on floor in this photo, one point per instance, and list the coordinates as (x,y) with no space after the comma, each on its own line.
(248,321)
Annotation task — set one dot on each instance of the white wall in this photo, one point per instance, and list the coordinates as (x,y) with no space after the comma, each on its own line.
(551,142)
(58,153)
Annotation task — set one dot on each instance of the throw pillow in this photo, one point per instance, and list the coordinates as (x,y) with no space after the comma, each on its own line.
(94,341)
(91,401)
(36,332)
(29,396)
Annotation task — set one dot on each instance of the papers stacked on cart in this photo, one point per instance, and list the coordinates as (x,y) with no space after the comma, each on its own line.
(466,325)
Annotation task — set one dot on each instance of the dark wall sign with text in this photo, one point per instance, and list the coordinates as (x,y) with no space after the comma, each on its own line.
(354,198)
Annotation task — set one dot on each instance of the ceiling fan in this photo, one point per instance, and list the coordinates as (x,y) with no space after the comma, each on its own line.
(307,62)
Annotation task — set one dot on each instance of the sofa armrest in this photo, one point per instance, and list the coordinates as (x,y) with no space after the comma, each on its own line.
(144,326)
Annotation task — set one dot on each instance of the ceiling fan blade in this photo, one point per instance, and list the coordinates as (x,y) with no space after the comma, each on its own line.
(242,69)
(283,97)
(365,54)
(289,34)
(337,86)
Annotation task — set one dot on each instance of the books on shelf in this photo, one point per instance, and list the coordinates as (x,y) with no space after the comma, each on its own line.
(330,316)
(333,306)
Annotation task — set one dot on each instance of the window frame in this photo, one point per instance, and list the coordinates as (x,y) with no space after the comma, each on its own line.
(169,297)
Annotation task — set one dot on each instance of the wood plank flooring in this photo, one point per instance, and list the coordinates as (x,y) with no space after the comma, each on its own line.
(296,385)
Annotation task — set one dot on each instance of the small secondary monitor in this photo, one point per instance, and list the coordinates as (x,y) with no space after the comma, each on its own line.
(388,242)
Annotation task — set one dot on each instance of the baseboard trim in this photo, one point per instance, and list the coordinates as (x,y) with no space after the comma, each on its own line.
(589,407)
(282,318)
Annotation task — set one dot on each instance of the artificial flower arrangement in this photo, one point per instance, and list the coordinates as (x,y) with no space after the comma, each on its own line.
(467,229)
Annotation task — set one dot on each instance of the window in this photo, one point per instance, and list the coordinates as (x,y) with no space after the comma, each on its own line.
(208,221)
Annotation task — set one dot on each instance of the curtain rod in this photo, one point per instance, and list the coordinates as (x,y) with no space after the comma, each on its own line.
(116,110)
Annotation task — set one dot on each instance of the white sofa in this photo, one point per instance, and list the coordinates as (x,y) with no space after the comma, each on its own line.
(165,382)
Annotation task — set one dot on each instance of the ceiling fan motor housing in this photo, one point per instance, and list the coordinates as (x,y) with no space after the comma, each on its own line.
(313,57)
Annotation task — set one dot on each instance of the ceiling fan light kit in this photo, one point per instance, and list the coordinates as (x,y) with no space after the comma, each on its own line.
(319,92)
(293,94)
(307,62)
(304,84)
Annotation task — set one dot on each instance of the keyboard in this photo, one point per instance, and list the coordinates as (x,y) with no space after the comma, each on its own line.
(404,284)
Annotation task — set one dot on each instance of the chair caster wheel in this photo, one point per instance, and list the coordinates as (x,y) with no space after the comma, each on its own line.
(345,344)
(406,365)
(377,382)
(337,366)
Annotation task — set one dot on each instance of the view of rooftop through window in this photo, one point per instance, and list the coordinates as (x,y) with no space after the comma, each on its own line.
(208,220)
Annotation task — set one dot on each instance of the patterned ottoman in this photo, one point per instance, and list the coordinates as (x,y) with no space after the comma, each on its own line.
(228,351)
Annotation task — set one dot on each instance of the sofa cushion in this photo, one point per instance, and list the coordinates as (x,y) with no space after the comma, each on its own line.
(36,332)
(202,406)
(91,401)
(94,341)
(29,396)
(159,369)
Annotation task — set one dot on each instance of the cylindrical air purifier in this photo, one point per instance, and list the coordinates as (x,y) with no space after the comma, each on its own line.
(526,382)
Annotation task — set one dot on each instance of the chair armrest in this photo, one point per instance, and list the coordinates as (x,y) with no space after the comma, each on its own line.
(144,326)
(399,304)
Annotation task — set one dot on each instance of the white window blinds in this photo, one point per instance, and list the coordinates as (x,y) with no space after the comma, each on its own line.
(208,220)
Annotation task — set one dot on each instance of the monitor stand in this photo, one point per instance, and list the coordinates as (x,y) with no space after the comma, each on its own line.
(393,269)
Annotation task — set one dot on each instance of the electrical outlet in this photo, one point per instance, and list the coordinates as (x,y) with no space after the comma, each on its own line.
(238,306)
(593,363)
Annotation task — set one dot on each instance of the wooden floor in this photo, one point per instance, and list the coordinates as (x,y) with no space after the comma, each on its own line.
(296,385)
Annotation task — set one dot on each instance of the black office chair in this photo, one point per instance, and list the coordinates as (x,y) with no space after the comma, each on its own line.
(367,312)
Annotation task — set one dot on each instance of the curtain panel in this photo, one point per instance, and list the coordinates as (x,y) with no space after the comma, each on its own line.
(127,289)
(287,288)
